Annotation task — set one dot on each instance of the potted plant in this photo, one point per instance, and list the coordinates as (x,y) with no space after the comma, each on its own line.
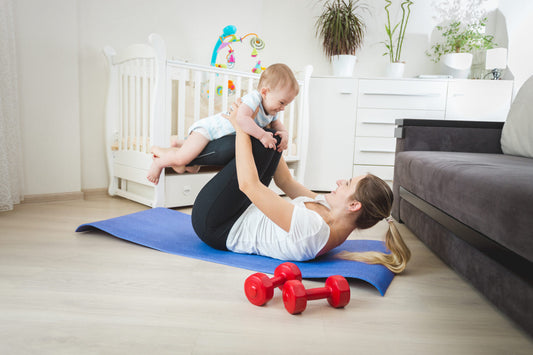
(394,45)
(342,31)
(462,34)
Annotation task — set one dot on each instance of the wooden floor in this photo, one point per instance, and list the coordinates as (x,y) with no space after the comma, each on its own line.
(63,292)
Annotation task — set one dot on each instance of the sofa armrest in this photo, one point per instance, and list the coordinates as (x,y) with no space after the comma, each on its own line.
(450,136)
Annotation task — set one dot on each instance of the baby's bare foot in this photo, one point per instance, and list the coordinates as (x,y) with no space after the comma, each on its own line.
(155,171)
(179,169)
(192,169)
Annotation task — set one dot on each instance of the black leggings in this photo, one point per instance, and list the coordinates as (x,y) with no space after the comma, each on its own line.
(220,202)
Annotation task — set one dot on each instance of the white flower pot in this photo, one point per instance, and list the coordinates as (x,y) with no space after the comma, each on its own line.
(395,70)
(457,64)
(343,65)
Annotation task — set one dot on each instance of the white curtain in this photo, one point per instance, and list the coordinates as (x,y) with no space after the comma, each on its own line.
(11,178)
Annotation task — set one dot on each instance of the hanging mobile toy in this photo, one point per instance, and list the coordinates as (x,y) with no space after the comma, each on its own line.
(229,36)
(228,31)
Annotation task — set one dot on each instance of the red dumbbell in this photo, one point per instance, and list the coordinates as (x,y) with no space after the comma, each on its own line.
(259,288)
(295,296)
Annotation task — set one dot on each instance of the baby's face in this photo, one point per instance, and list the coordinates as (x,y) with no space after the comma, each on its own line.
(275,101)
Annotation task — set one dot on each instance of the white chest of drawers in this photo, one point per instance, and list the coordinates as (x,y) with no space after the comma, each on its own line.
(359,114)
(379,103)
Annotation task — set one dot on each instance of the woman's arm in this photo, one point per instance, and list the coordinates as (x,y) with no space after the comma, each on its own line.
(286,182)
(273,206)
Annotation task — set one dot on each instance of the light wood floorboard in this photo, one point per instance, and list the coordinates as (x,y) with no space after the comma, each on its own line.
(63,292)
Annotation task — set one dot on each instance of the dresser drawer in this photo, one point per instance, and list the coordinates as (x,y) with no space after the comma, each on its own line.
(374,151)
(402,94)
(384,172)
(381,122)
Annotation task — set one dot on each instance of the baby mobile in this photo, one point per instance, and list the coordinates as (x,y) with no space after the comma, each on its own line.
(224,44)
(227,38)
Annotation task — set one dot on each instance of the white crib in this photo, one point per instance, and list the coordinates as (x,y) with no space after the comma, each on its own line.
(151,98)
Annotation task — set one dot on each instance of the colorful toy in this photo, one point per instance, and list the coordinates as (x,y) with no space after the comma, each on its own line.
(227,32)
(258,68)
(259,288)
(220,88)
(295,296)
(228,37)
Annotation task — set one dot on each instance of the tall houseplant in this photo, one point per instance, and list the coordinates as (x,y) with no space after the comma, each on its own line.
(342,31)
(394,45)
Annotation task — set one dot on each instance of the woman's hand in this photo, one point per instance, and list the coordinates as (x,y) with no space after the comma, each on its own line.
(232,114)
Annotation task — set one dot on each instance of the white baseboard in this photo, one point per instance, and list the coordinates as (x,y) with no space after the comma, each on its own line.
(62,196)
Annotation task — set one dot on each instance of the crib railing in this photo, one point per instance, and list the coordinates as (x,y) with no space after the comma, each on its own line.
(133,83)
(213,90)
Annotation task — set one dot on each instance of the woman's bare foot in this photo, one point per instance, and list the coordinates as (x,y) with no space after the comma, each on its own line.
(155,170)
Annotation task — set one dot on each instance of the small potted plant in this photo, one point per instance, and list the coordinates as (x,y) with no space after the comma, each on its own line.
(462,34)
(342,31)
(394,45)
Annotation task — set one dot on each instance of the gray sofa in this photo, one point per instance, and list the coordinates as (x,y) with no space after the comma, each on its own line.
(471,205)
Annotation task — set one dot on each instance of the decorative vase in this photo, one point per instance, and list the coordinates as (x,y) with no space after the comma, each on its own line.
(343,65)
(395,70)
(457,64)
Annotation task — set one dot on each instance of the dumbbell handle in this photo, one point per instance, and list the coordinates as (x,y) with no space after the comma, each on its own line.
(295,295)
(278,280)
(318,293)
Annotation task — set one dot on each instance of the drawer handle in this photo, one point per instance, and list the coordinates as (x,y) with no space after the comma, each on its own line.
(400,94)
(378,122)
(377,151)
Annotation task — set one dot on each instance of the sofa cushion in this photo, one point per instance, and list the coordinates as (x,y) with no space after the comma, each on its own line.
(517,133)
(491,193)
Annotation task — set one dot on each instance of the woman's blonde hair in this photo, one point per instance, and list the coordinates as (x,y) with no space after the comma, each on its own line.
(376,197)
(278,76)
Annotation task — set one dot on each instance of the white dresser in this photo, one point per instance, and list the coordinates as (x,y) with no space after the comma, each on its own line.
(359,114)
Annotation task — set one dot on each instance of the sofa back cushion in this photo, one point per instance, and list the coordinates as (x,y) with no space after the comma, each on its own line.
(517,133)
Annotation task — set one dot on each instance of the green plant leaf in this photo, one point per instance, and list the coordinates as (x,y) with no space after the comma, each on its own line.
(340,27)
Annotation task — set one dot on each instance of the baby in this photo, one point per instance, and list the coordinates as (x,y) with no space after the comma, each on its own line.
(276,89)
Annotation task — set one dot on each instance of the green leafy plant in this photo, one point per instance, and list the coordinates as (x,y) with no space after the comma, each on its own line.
(340,27)
(394,45)
(461,39)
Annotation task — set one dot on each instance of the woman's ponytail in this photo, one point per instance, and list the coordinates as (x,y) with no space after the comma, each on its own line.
(376,198)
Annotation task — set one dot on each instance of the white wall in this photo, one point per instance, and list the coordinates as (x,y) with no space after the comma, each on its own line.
(63,72)
(47,48)
(518,16)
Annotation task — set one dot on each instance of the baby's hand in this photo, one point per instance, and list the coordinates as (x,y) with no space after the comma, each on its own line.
(284,140)
(268,140)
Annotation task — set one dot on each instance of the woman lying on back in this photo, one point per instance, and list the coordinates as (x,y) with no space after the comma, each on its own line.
(237,211)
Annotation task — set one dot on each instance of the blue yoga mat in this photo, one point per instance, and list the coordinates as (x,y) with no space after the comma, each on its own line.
(171,232)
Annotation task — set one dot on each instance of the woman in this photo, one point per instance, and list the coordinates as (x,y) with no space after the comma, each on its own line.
(237,211)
